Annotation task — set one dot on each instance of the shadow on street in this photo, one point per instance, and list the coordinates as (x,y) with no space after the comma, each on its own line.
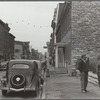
(27,94)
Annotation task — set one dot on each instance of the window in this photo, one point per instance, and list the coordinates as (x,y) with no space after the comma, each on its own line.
(20,66)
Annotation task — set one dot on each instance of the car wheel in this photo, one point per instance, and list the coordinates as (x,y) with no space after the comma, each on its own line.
(36,92)
(18,81)
(4,92)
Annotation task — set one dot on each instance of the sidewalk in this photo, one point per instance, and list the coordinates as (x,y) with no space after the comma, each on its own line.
(61,86)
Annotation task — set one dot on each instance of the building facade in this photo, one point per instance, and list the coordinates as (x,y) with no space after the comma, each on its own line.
(21,50)
(52,50)
(11,46)
(5,41)
(85,28)
(61,25)
(76,28)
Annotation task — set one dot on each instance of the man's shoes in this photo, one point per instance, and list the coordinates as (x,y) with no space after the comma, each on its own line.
(83,91)
(86,91)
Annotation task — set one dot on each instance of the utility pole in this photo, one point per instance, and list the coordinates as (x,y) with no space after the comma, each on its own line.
(47,47)
(47,55)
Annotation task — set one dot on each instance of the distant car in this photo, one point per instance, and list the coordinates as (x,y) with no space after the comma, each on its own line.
(21,75)
(3,67)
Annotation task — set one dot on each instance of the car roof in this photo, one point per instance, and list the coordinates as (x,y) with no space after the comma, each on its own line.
(36,60)
(26,60)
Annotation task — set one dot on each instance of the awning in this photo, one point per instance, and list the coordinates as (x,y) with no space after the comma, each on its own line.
(60,44)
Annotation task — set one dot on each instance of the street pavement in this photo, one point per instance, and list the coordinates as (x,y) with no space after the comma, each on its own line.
(63,86)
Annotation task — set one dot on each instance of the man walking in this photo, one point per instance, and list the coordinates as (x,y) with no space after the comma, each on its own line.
(83,67)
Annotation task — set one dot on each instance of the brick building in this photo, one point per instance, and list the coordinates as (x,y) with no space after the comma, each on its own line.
(76,31)
(6,45)
(21,50)
(85,28)
(11,45)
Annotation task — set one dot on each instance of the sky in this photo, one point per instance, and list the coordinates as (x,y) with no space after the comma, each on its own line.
(29,21)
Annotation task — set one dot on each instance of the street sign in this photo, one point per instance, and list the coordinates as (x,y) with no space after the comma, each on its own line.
(45,47)
(60,44)
(47,43)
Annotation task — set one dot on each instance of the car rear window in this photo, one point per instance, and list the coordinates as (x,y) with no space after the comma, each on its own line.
(20,66)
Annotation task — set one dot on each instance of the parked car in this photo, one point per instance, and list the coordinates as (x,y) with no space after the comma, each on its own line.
(3,66)
(21,75)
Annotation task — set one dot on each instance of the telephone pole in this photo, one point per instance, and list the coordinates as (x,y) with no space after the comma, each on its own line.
(47,47)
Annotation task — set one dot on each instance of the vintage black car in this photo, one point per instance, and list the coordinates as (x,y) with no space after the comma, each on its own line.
(21,75)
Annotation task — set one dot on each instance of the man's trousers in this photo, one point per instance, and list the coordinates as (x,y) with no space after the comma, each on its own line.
(84,80)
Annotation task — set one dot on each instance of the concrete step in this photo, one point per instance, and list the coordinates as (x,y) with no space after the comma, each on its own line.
(61,70)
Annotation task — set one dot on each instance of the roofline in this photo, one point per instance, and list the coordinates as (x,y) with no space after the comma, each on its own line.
(11,35)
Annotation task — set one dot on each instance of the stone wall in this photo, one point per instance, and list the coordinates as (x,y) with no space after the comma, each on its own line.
(85,28)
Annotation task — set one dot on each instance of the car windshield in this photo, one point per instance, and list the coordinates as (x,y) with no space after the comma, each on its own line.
(20,66)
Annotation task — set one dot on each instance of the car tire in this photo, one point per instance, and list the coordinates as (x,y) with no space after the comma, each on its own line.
(36,92)
(4,92)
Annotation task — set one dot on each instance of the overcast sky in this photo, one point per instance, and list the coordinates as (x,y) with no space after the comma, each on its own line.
(29,21)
